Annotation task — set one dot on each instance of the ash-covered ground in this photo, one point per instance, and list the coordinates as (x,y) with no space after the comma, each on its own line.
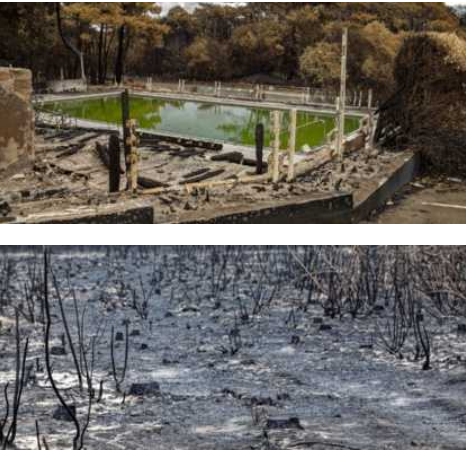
(242,345)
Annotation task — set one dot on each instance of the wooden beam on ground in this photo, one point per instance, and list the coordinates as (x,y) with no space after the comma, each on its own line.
(151,139)
(244,180)
(195,173)
(149,183)
(70,152)
(232,157)
(203,177)
(234,181)
(239,158)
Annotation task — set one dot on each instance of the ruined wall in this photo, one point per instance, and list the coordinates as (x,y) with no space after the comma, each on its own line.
(16,116)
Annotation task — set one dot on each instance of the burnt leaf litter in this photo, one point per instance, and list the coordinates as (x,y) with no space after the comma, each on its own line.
(224,348)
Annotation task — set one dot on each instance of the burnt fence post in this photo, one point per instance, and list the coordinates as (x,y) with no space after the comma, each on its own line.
(126,129)
(114,164)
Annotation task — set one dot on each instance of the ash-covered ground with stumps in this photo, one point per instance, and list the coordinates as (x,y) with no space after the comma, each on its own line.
(236,347)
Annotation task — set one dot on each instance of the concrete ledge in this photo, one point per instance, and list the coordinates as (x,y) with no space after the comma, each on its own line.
(306,210)
(198,98)
(407,170)
(135,215)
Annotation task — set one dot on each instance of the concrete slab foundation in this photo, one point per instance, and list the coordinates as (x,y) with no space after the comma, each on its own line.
(106,216)
(317,209)
(377,197)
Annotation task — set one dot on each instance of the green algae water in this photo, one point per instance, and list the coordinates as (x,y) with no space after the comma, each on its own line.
(204,121)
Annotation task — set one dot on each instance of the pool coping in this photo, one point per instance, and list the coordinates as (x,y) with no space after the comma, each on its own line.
(316,108)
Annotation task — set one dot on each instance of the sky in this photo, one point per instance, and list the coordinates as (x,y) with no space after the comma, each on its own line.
(166,6)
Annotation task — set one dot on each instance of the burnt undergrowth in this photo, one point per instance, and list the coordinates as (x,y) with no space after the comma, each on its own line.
(88,336)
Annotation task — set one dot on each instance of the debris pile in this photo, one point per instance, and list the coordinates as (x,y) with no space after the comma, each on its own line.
(428,111)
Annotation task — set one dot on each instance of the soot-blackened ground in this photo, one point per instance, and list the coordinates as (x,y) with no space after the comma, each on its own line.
(346,391)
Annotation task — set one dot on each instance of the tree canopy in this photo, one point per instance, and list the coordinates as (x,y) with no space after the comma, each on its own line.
(293,43)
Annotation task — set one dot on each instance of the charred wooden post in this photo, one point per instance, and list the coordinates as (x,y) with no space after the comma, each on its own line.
(114,164)
(133,158)
(275,157)
(103,154)
(259,143)
(130,144)
(126,129)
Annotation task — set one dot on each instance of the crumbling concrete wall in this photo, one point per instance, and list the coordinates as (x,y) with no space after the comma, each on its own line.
(16,116)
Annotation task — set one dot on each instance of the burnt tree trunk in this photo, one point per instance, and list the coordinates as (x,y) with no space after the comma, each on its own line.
(259,142)
(67,42)
(119,62)
(100,52)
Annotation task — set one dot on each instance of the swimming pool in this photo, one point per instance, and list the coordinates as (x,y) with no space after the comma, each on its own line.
(204,121)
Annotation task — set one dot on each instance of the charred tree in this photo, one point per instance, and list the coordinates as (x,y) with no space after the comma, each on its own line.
(68,44)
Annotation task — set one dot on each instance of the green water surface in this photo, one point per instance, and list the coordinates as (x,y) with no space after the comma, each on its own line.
(226,123)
